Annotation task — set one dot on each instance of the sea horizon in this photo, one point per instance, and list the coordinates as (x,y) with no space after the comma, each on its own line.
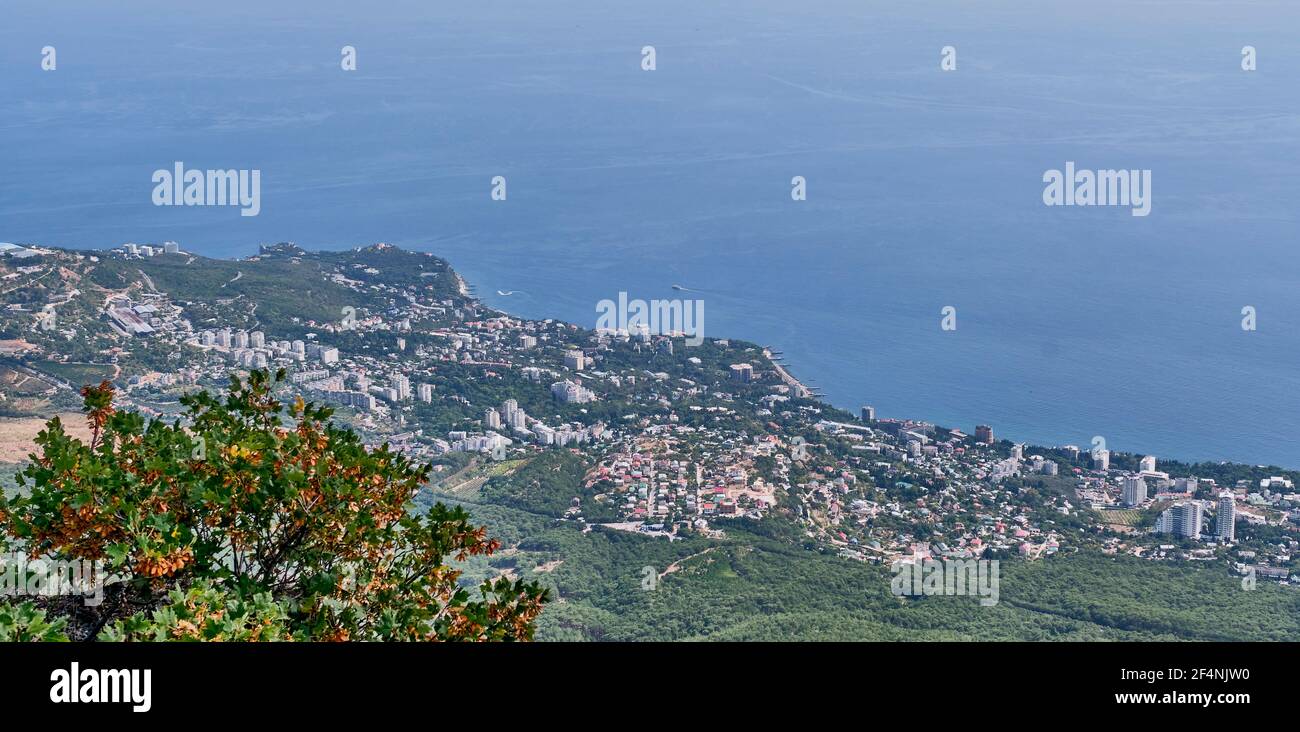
(924,188)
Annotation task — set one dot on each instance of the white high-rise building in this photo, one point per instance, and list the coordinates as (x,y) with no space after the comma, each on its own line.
(1182,519)
(1225,522)
(402,385)
(425,392)
(239,339)
(519,420)
(1101,460)
(1135,490)
(491,419)
(742,372)
(1148,464)
(257,339)
(575,360)
(572,392)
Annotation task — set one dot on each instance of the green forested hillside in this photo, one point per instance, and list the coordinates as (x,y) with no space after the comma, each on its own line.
(285,286)
(752,588)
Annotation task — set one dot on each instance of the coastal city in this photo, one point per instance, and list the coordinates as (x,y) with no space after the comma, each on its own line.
(331,330)
(673,438)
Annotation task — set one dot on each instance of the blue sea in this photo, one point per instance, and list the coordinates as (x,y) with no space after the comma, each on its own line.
(924,187)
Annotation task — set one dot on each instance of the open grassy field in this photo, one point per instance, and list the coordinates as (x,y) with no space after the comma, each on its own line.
(77,374)
(18,434)
(1122,517)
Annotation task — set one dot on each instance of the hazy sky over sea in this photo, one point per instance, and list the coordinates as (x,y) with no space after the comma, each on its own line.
(924,187)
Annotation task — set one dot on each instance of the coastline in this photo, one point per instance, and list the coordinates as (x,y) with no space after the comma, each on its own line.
(805,391)
(465,289)
(799,389)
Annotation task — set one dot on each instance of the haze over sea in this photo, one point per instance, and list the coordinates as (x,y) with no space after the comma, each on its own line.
(924,187)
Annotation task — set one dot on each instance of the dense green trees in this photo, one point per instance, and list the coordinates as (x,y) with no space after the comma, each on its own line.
(248,524)
(758,584)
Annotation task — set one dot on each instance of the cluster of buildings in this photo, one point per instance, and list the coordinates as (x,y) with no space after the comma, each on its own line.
(649,478)
(571,392)
(910,490)
(1186,519)
(691,443)
(461,441)
(510,415)
(144,315)
(358,390)
(1185,516)
(253,350)
(141,251)
(16,252)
